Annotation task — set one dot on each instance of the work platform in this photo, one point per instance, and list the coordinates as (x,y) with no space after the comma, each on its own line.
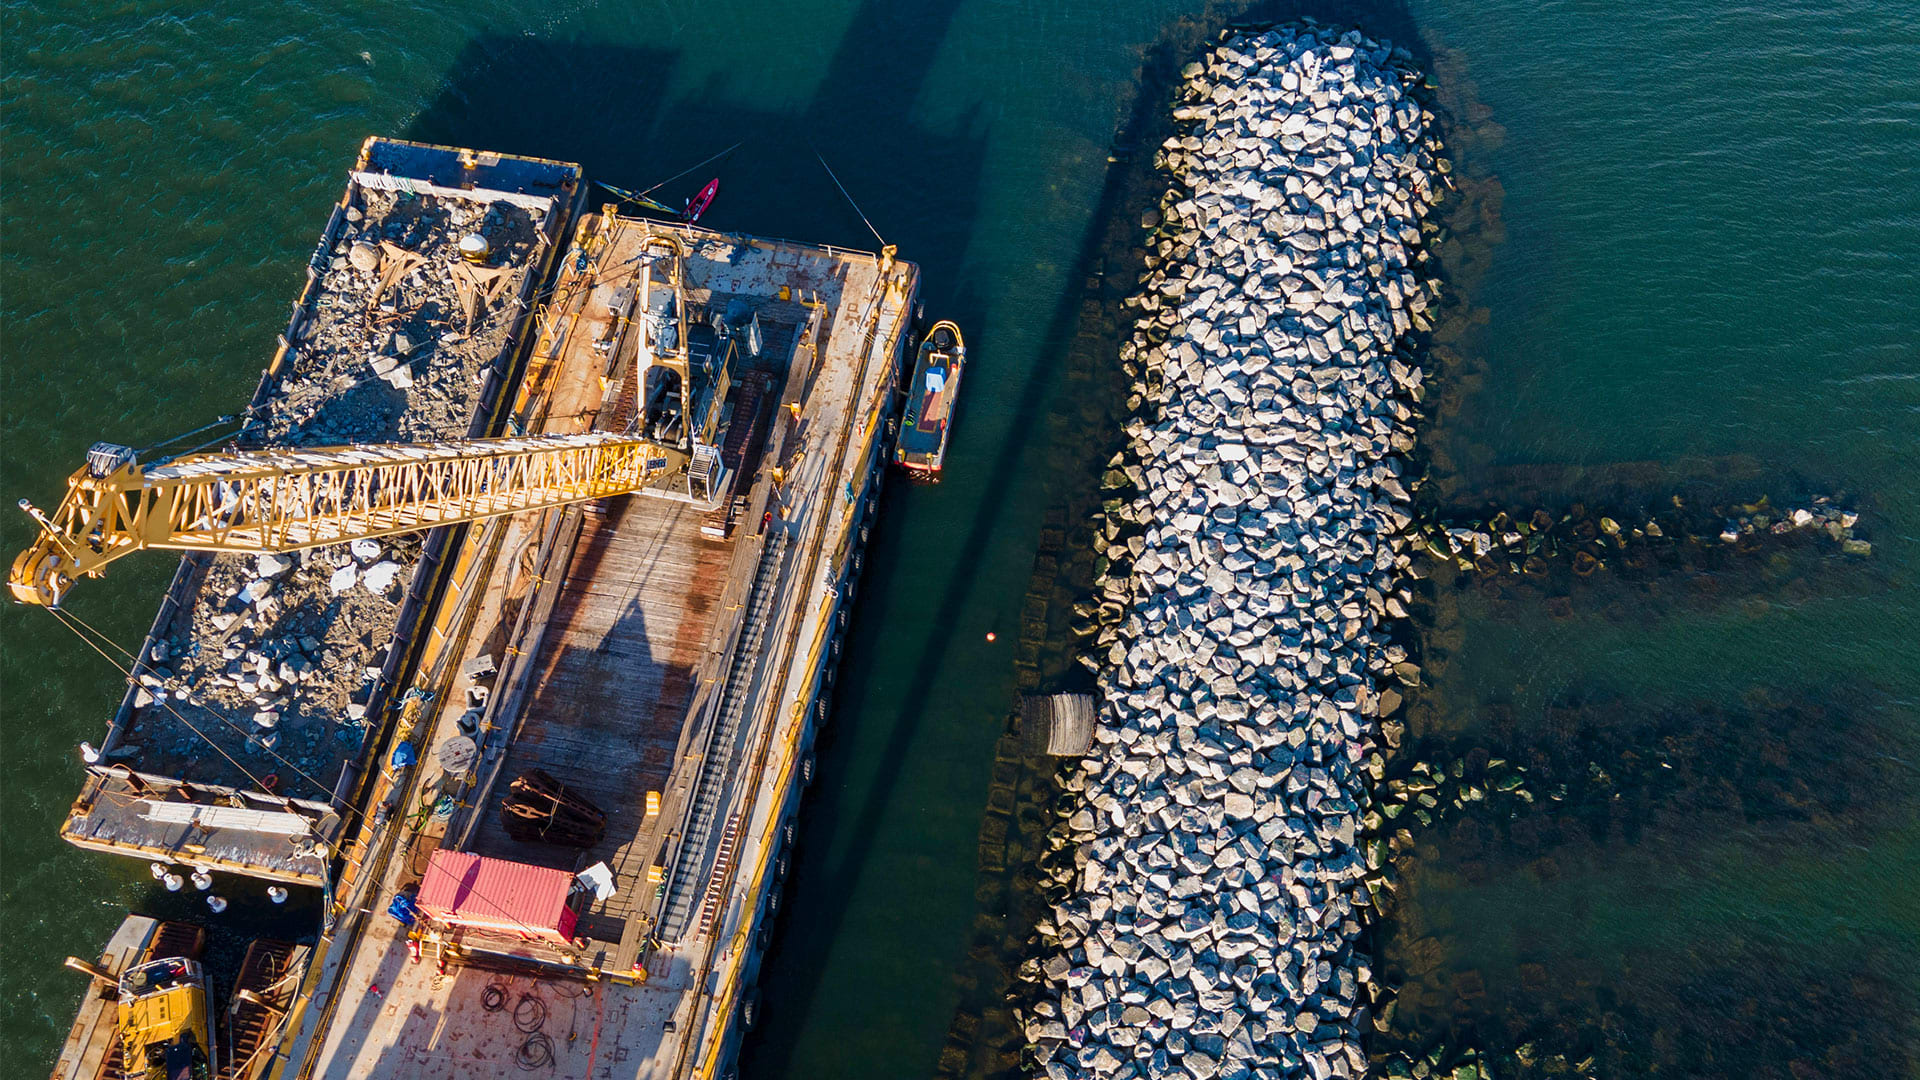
(610,694)
(664,655)
(93,1049)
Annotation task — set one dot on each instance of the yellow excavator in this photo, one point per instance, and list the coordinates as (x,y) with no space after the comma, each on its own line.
(163,1020)
(288,498)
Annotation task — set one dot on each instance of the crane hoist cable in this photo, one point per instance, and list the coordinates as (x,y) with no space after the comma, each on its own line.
(160,697)
(58,614)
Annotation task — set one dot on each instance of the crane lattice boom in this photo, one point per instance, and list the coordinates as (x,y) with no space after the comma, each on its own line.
(285,499)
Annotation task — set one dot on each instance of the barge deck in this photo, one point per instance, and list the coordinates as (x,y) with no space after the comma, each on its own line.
(665,667)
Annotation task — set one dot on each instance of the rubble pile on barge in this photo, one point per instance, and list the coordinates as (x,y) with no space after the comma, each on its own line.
(1213,926)
(279,652)
(403,329)
(407,330)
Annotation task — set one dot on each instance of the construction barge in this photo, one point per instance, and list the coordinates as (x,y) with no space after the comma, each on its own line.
(247,657)
(551,761)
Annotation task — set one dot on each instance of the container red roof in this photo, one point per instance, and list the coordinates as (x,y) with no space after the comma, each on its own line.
(495,894)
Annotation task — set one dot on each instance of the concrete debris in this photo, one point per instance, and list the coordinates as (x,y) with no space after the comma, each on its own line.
(379,577)
(343,579)
(290,636)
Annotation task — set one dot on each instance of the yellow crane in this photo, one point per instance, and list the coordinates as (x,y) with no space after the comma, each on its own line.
(287,498)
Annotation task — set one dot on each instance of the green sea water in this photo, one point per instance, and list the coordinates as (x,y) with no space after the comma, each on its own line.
(1710,251)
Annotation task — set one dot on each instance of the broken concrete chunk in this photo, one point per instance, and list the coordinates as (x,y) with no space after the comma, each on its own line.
(343,579)
(379,577)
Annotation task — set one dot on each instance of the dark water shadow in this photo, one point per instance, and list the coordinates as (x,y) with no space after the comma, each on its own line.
(607,107)
(1596,772)
(1743,1013)
(1571,811)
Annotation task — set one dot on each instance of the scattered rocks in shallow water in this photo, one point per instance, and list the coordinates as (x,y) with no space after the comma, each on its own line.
(1522,544)
(1209,922)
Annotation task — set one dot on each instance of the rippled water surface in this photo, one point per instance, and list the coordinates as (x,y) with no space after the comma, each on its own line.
(1706,254)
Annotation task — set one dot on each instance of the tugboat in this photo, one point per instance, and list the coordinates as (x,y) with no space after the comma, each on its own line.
(931,392)
(163,1020)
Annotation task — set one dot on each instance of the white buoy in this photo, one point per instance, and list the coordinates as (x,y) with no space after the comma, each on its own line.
(173,882)
(88,754)
(474,248)
(276,894)
(202,880)
(159,870)
(217,903)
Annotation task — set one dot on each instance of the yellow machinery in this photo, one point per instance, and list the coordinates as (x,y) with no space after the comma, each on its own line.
(285,499)
(163,1020)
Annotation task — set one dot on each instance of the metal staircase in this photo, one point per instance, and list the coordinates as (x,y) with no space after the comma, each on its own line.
(722,862)
(685,885)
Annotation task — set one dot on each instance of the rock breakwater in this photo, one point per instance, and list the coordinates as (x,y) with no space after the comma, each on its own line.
(1212,927)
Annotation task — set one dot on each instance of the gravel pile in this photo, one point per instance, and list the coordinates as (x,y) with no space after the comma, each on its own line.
(1213,926)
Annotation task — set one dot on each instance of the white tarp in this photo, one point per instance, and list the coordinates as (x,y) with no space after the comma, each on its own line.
(226,817)
(598,878)
(389,182)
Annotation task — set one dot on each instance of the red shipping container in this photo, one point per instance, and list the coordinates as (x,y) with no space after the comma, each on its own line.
(462,889)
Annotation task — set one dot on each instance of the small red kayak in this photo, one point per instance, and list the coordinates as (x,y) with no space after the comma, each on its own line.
(699,203)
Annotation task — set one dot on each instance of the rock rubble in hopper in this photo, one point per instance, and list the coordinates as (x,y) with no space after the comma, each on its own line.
(279,652)
(1212,929)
